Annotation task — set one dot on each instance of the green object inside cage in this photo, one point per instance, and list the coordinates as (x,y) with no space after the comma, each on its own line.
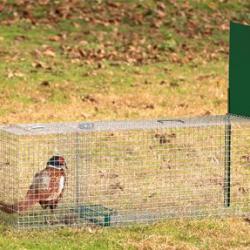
(96,214)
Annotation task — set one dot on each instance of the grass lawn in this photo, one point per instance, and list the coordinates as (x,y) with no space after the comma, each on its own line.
(173,234)
(96,60)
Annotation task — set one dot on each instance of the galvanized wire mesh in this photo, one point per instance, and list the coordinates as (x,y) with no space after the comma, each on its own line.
(126,172)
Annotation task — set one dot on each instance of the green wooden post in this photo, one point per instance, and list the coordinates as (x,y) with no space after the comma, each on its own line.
(238,92)
(239,70)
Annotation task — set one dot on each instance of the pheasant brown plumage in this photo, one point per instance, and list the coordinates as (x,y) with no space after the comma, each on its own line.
(46,189)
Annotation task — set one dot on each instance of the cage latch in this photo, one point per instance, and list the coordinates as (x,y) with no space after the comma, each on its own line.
(86,125)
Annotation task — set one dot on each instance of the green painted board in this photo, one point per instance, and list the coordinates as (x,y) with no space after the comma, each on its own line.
(239,70)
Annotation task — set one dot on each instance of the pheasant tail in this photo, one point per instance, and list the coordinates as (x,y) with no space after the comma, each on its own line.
(19,207)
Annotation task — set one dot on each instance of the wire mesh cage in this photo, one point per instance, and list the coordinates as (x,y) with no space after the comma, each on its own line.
(111,173)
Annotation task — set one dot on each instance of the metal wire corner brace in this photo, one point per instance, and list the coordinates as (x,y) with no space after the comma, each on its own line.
(227,174)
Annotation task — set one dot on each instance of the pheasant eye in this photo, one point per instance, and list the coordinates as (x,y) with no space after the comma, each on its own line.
(61,160)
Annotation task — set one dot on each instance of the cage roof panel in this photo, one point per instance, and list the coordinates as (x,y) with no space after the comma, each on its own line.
(83,127)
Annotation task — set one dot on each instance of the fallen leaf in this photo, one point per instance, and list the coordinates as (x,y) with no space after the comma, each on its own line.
(21,38)
(39,64)
(174,84)
(149,106)
(43,2)
(81,52)
(90,98)
(161,6)
(45,84)
(49,52)
(161,14)
(207,113)
(12,74)
(37,53)
(19,74)
(76,25)
(55,38)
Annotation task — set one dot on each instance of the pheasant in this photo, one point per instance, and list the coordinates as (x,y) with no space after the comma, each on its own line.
(46,189)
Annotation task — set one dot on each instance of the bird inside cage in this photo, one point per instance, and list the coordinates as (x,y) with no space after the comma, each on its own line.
(46,189)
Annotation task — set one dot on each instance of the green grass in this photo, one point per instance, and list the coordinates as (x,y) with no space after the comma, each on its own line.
(120,62)
(173,234)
